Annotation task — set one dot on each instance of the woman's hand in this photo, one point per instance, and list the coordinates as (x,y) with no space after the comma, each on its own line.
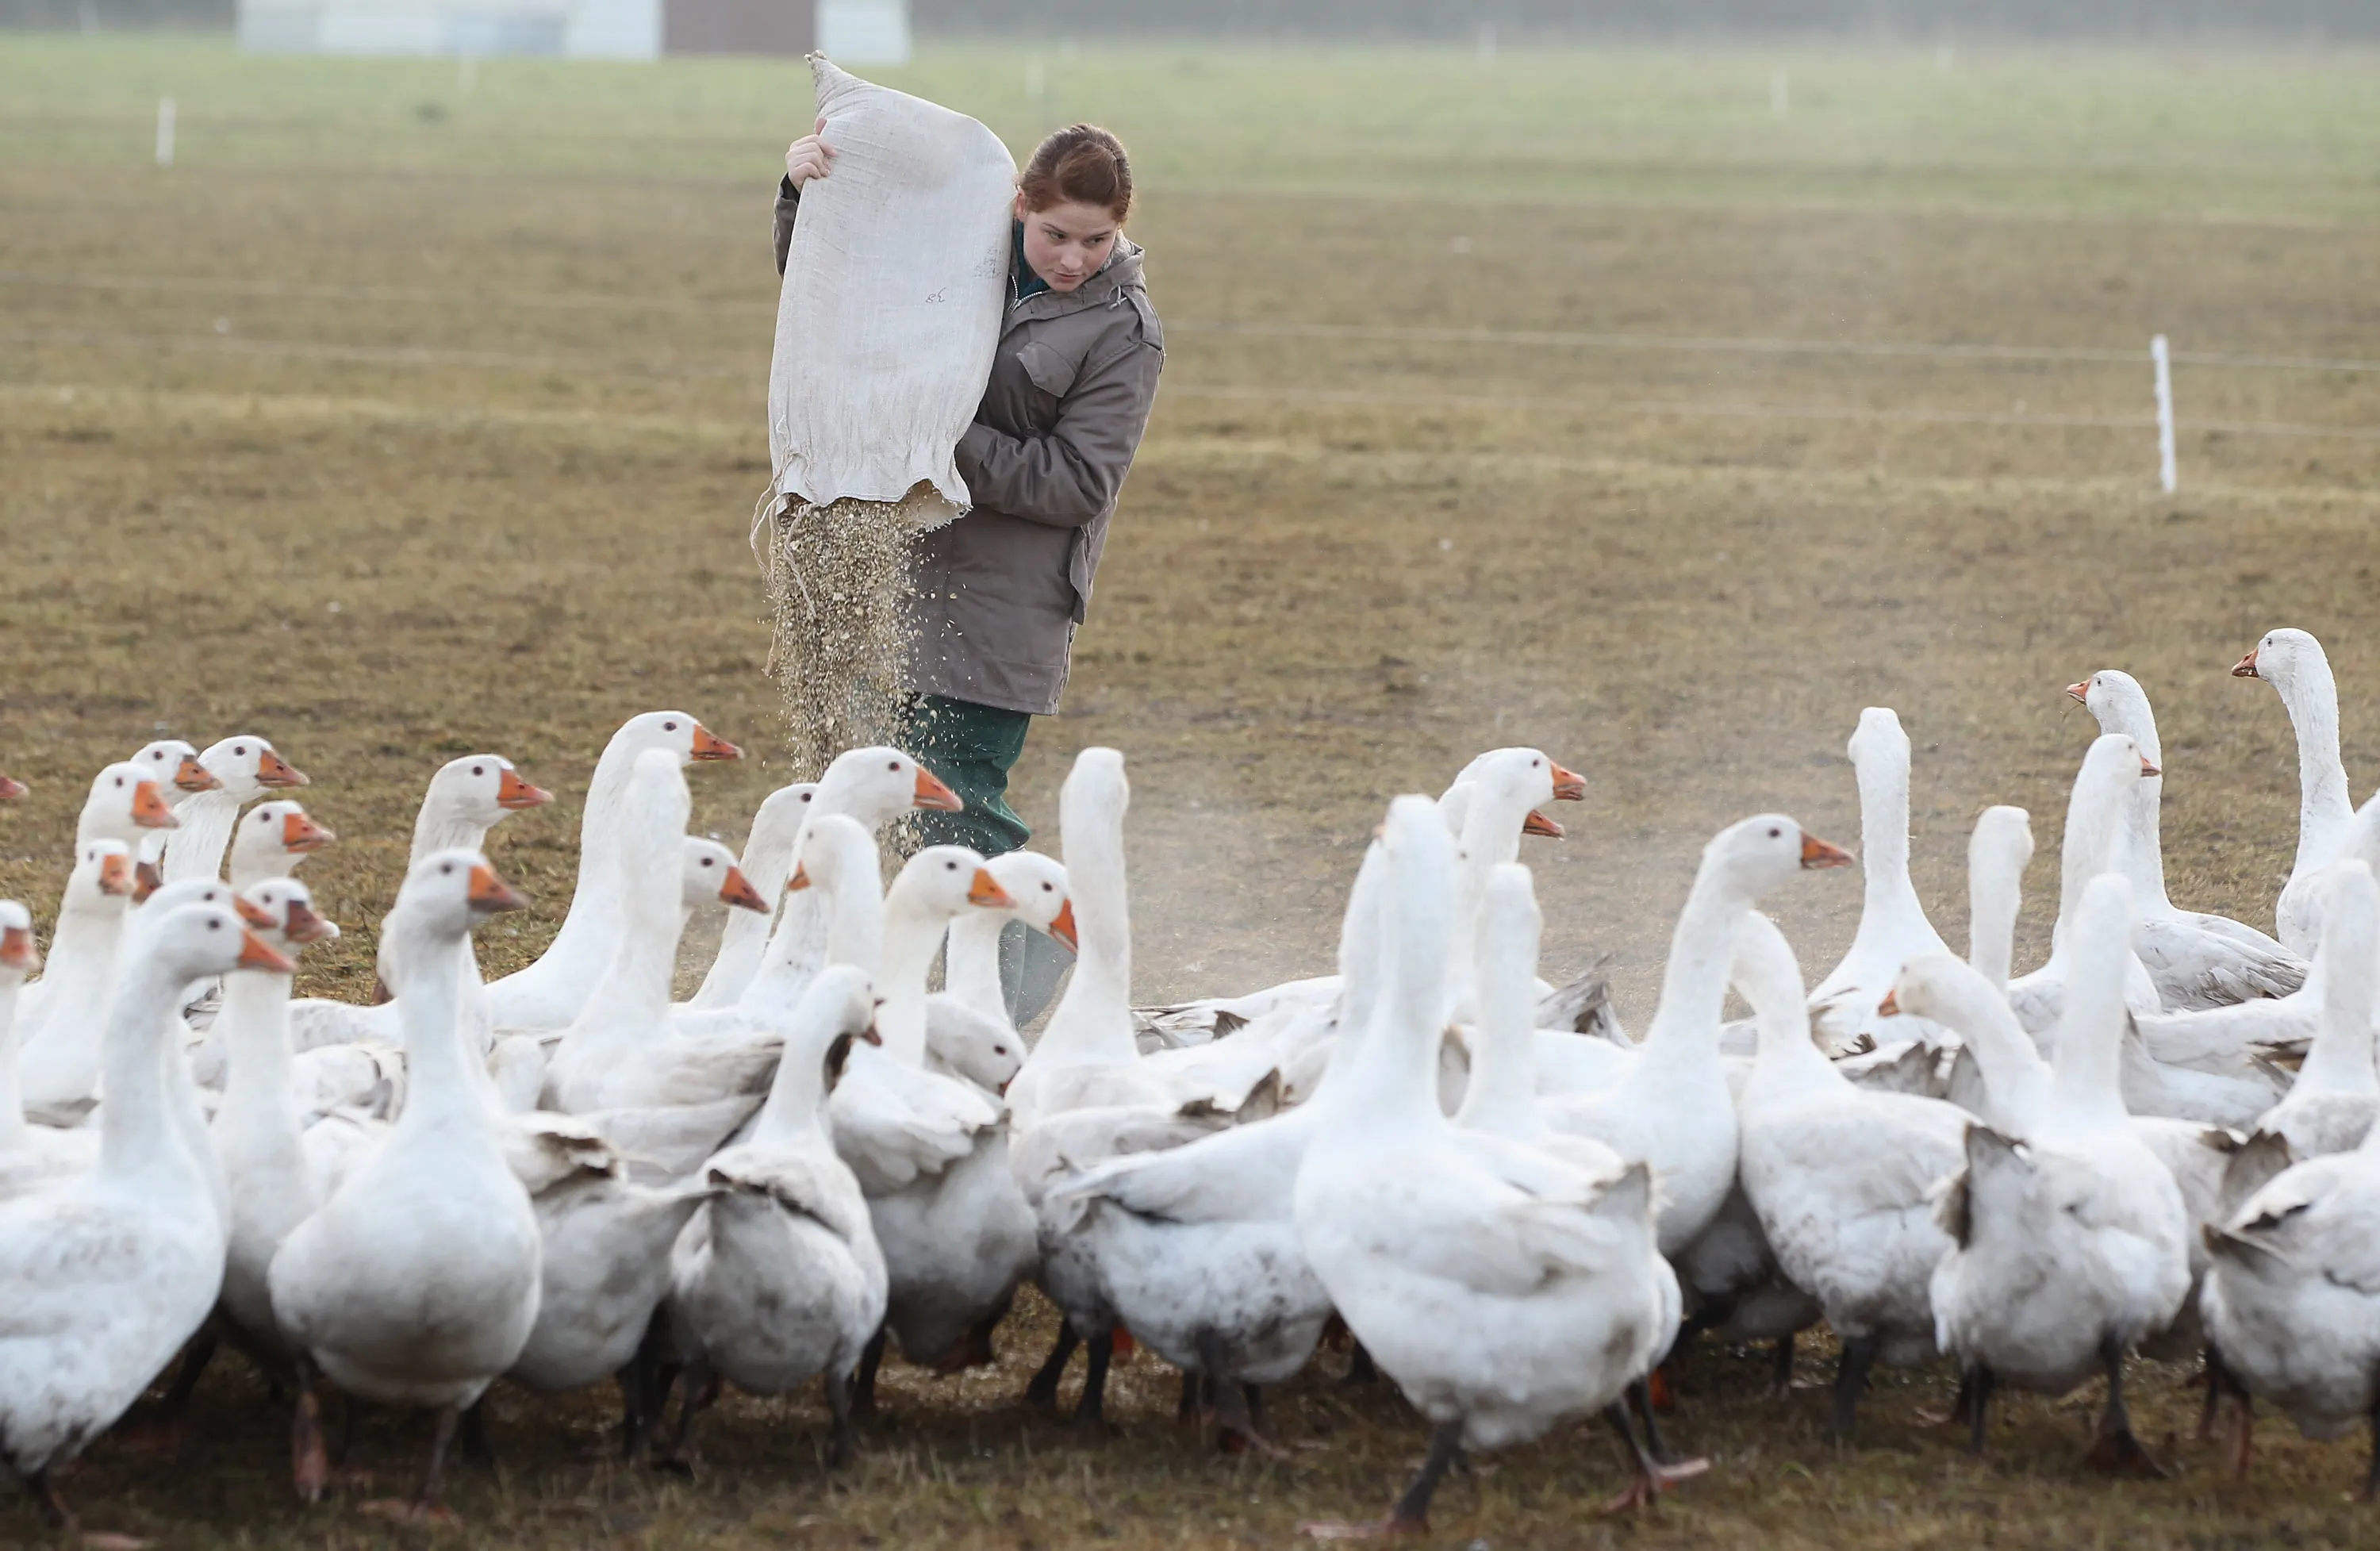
(808,157)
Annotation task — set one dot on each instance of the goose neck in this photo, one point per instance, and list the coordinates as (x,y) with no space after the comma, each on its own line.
(1093,1018)
(441,828)
(791,1114)
(2086,1065)
(971,971)
(196,848)
(138,1134)
(1694,981)
(441,1087)
(1884,826)
(1992,900)
(260,1074)
(635,986)
(912,933)
(2341,1058)
(2311,694)
(12,1093)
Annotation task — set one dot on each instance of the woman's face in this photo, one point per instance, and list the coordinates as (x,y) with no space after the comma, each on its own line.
(1067,243)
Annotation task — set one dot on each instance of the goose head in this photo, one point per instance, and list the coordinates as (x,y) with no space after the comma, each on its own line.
(945,882)
(290,906)
(2118,702)
(837,1011)
(713,878)
(172,762)
(877,785)
(676,732)
(1526,779)
(1038,885)
(18,954)
(1941,988)
(212,937)
(451,892)
(1878,737)
(162,902)
(125,799)
(2114,765)
(833,853)
(1756,854)
(11,788)
(276,836)
(248,766)
(103,877)
(2283,658)
(479,790)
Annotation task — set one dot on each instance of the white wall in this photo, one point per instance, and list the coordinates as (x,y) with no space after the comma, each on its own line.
(863,31)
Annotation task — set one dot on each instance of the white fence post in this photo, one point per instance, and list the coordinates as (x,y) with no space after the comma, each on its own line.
(2164,359)
(164,132)
(1781,93)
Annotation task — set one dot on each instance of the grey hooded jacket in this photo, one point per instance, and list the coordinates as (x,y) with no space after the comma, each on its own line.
(997,594)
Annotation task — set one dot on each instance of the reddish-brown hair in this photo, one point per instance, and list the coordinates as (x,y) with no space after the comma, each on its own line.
(1080,164)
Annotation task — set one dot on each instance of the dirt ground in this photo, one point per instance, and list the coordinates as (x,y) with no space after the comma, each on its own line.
(398,421)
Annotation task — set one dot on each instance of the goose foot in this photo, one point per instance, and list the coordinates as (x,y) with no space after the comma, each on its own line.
(309,1457)
(44,1493)
(1960,1408)
(1411,1515)
(1781,1382)
(1090,1411)
(1235,1423)
(1043,1391)
(843,1446)
(2114,1449)
(1976,1391)
(1649,1477)
(701,1387)
(1640,1397)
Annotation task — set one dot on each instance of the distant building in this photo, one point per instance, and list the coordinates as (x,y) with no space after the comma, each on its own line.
(848,32)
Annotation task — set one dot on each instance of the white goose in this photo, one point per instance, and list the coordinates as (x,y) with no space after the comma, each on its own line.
(2197,960)
(2112,769)
(1504,1288)
(29,1153)
(1674,1111)
(246,767)
(104,1276)
(622,1050)
(60,1059)
(1892,923)
(2292,1302)
(928,1150)
(2072,1246)
(417,1283)
(465,798)
(272,839)
(2330,1107)
(766,862)
(1037,884)
(1196,1248)
(2293,663)
(549,993)
(125,804)
(1842,1178)
(780,1279)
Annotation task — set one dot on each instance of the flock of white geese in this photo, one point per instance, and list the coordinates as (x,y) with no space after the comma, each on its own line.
(2154,1142)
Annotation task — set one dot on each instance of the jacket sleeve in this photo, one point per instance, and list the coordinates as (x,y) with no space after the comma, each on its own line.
(789,199)
(1071,476)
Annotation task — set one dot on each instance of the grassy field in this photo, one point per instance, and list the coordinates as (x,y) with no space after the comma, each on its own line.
(1573,399)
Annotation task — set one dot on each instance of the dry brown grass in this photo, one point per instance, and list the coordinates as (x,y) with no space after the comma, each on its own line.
(1310,606)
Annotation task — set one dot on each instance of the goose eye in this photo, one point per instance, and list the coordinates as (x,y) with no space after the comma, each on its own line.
(478,770)
(241,749)
(1774,833)
(950,866)
(119,780)
(1049,888)
(449,866)
(706,860)
(669,726)
(895,765)
(213,925)
(999,1049)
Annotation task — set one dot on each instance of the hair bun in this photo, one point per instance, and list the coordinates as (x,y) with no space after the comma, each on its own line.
(1080,164)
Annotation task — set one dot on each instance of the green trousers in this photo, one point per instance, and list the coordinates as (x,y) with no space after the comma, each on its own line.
(972,747)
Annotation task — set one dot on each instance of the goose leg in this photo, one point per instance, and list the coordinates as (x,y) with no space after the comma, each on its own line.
(1977,1387)
(1236,1423)
(476,1450)
(1187,1409)
(426,1503)
(1649,1477)
(863,1398)
(635,1379)
(1780,1366)
(44,1493)
(843,1445)
(2113,1447)
(1043,1390)
(700,1389)
(2371,1470)
(1410,1516)
(1640,1397)
(1360,1368)
(1850,1382)
(1092,1410)
(309,1459)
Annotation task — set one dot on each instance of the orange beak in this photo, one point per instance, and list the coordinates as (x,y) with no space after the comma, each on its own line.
(986,891)
(736,890)
(1816,852)
(2081,692)
(305,925)
(255,914)
(147,878)
(1064,930)
(1538,824)
(195,777)
(1890,1006)
(1569,786)
(710,745)
(800,880)
(274,771)
(301,834)
(255,953)
(513,792)
(11,788)
(491,892)
(932,793)
(116,875)
(2148,769)
(149,809)
(2246,667)
(869,1034)
(17,949)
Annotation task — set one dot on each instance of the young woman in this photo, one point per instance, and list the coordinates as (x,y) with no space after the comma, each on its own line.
(997,594)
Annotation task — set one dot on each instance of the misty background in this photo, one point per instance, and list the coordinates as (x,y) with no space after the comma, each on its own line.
(2285,23)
